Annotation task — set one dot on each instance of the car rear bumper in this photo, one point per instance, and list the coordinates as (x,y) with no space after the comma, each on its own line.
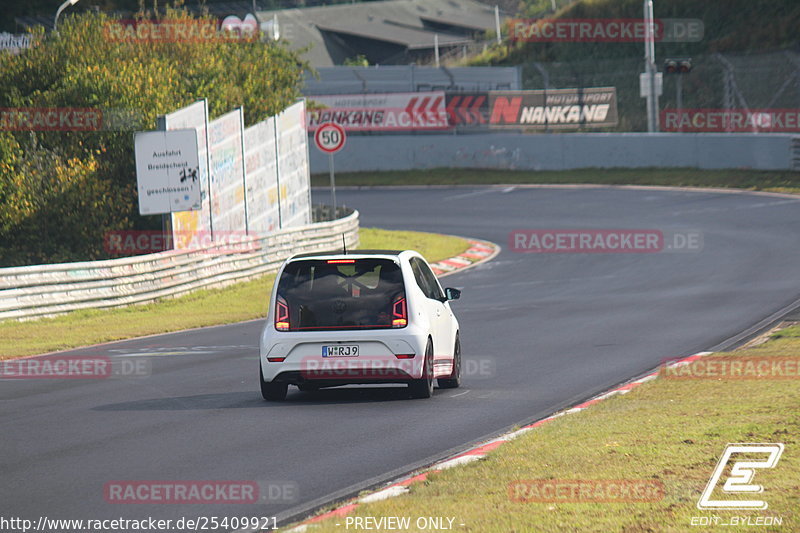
(377,362)
(341,377)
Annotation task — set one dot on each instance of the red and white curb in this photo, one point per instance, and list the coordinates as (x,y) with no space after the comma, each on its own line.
(400,487)
(478,252)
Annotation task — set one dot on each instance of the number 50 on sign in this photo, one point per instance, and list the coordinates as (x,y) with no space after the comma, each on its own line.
(329,137)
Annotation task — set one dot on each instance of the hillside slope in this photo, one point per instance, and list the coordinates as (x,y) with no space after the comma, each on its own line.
(731,26)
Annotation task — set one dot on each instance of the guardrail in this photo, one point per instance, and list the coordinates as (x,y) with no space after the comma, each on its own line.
(47,290)
(562,151)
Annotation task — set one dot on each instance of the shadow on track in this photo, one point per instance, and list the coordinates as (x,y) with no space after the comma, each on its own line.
(252,400)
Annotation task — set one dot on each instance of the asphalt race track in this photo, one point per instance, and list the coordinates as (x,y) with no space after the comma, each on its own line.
(539,332)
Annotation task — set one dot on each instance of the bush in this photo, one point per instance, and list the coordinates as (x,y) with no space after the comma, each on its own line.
(60,192)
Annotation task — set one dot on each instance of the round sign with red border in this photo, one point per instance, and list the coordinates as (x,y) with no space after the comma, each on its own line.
(330,137)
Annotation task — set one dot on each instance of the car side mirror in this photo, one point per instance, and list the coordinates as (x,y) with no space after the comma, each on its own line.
(452,294)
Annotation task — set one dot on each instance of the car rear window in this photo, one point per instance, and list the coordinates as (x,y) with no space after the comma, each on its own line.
(339,294)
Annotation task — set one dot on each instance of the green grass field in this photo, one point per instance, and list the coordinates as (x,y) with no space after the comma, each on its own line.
(669,431)
(756,180)
(242,301)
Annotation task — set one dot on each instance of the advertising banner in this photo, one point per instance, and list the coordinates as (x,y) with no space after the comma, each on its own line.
(261,167)
(421,111)
(227,171)
(468,110)
(437,111)
(594,107)
(294,173)
(193,116)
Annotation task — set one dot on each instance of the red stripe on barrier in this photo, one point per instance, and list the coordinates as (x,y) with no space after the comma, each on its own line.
(419,477)
(483,450)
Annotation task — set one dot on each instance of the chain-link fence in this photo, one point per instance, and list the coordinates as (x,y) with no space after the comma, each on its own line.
(716,81)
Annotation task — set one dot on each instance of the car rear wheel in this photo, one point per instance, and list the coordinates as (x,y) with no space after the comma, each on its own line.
(453,381)
(275,392)
(423,387)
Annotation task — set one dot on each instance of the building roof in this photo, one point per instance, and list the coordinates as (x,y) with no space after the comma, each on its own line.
(411,38)
(386,32)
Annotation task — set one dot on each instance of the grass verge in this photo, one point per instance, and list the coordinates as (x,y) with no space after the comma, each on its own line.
(671,431)
(757,180)
(242,301)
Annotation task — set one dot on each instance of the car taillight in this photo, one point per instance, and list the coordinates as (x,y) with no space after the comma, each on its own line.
(399,313)
(281,315)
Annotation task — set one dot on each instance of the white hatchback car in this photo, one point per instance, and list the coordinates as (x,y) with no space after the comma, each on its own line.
(369,316)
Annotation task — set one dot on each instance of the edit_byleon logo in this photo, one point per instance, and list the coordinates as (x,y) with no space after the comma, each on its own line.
(739,479)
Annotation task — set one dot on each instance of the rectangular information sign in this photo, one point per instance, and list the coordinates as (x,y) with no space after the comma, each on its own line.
(167,171)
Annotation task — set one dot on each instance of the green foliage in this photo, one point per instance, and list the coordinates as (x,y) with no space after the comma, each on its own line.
(743,30)
(51,204)
(357,61)
(730,26)
(47,8)
(60,192)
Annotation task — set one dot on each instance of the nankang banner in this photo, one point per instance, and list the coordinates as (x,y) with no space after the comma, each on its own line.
(561,109)
(421,111)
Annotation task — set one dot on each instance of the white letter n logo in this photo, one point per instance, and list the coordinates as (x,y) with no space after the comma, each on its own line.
(740,477)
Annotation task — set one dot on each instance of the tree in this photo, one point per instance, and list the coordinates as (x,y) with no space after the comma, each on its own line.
(61,191)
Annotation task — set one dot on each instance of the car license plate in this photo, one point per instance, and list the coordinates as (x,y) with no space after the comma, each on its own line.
(340,350)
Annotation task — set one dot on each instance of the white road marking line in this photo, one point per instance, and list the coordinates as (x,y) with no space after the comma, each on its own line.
(395,490)
(160,354)
(457,461)
(468,194)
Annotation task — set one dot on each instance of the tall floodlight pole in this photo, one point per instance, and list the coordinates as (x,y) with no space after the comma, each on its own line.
(61,8)
(497,24)
(650,67)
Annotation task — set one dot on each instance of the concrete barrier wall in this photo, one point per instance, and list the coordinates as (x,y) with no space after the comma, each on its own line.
(47,290)
(560,151)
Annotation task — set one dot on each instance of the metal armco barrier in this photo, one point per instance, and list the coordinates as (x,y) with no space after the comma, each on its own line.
(47,290)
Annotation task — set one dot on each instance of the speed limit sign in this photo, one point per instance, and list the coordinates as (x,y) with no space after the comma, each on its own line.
(329,137)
